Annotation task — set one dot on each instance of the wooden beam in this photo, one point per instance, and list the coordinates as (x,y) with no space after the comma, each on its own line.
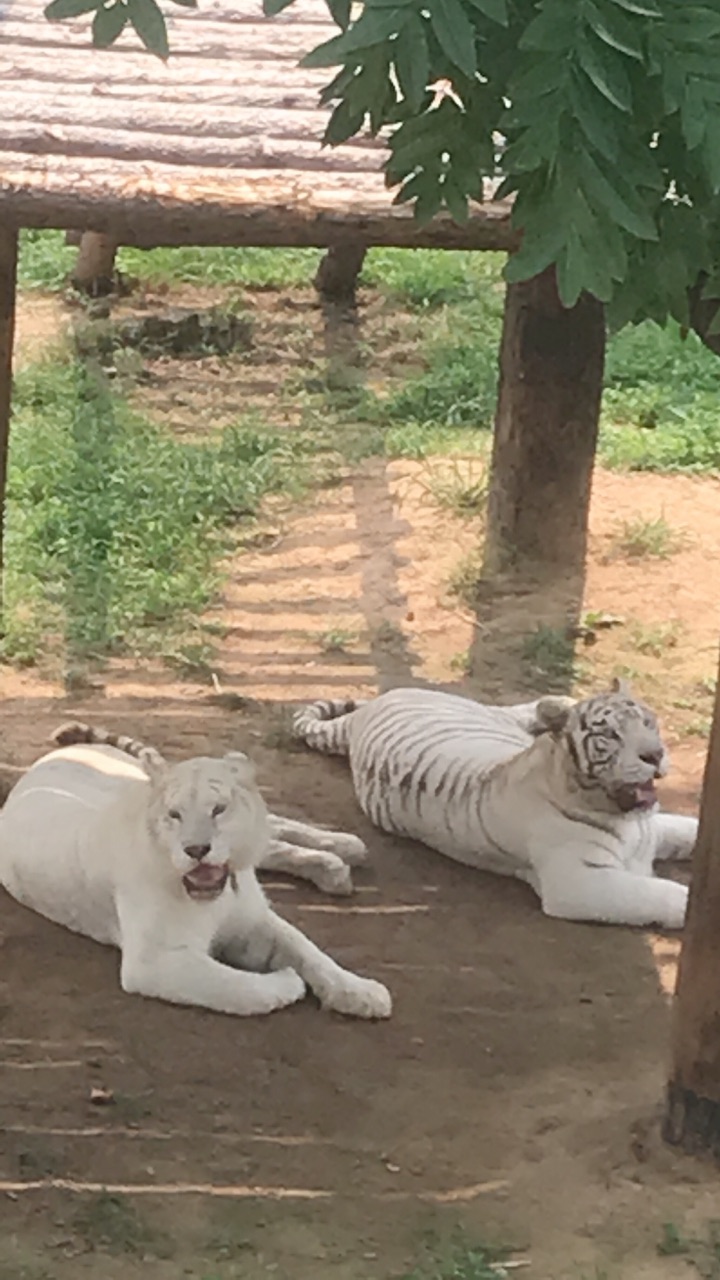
(8,288)
(164,204)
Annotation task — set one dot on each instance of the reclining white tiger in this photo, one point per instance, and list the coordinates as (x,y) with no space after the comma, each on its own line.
(557,793)
(159,860)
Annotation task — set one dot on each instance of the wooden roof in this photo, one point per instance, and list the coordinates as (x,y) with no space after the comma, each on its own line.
(221,145)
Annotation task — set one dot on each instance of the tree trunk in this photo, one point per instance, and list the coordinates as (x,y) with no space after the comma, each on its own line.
(692,1117)
(8,289)
(551,368)
(95,266)
(529,597)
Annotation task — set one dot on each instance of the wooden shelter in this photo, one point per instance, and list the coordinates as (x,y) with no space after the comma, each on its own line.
(221,145)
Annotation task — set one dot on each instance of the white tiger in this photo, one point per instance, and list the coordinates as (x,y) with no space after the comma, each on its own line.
(159,860)
(559,794)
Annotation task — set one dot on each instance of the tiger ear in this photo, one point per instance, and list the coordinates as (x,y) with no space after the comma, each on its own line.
(242,767)
(153,763)
(621,686)
(552,713)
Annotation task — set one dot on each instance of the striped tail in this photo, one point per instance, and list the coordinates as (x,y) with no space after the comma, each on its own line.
(325,725)
(76,731)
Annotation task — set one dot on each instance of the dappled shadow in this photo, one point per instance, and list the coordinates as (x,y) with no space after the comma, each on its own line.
(527,636)
(505,1024)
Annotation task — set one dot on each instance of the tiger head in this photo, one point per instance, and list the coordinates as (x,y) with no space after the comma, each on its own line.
(612,747)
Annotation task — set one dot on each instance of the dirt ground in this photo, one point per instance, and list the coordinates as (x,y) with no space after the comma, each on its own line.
(515,1092)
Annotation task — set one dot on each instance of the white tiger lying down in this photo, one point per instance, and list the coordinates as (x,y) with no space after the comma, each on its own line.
(557,793)
(159,860)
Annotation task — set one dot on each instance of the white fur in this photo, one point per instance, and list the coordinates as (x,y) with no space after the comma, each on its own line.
(98,841)
(542,791)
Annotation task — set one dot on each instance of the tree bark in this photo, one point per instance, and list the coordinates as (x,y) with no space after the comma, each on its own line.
(692,1117)
(551,368)
(95,265)
(8,289)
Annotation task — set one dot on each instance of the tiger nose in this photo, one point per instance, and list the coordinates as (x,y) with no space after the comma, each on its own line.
(652,757)
(197,851)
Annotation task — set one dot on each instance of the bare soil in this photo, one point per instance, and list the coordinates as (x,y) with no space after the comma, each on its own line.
(516,1091)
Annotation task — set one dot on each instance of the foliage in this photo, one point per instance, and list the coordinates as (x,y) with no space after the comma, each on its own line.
(114,526)
(602,117)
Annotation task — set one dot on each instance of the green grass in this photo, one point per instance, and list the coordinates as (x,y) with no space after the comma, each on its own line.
(661,389)
(115,526)
(464,1262)
(642,538)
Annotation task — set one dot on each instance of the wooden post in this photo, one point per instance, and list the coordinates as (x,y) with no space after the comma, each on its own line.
(8,287)
(336,277)
(692,1117)
(95,266)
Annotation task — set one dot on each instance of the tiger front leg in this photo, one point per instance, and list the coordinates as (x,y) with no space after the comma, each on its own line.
(606,895)
(325,870)
(349,848)
(676,835)
(278,945)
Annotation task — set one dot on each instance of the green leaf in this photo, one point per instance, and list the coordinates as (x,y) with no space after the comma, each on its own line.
(412,63)
(59,9)
(614,29)
(606,72)
(455,200)
(571,271)
(553,30)
(272,7)
(374,26)
(344,123)
(646,8)
(711,154)
(340,12)
(108,23)
(147,18)
(596,117)
(455,34)
(635,219)
(495,9)
(693,114)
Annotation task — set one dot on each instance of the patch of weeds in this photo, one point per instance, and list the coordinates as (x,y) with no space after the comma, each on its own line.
(253,268)
(655,638)
(431,278)
(461,663)
(116,527)
(464,1262)
(388,635)
(174,331)
(707,686)
(642,538)
(549,653)
(112,1223)
(703,1253)
(337,640)
(698,728)
(44,260)
(464,578)
(454,489)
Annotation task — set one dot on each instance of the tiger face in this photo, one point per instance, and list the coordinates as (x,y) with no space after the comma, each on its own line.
(614,750)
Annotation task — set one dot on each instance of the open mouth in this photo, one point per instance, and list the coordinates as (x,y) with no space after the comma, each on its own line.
(643,796)
(206,880)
